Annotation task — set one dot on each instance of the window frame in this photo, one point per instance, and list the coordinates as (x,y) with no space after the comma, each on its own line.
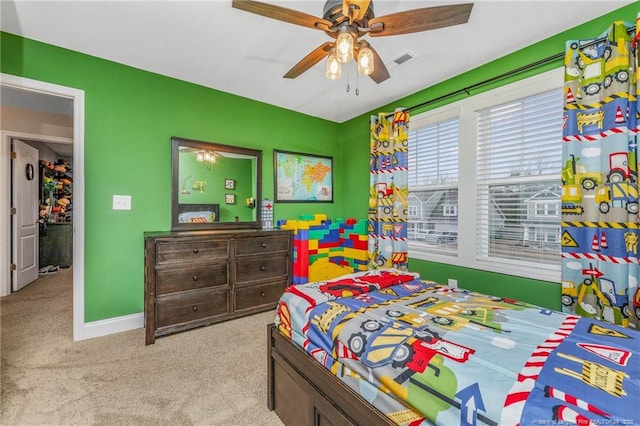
(466,111)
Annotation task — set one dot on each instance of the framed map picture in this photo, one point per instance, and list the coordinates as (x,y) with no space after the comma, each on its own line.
(302,178)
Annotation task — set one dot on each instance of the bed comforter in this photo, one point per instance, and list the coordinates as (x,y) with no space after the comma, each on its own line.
(424,353)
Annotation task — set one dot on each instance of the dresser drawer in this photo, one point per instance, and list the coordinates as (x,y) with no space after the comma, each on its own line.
(190,306)
(248,246)
(257,295)
(191,251)
(172,280)
(259,268)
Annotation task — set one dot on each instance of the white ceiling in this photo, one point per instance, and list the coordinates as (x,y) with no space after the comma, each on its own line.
(214,45)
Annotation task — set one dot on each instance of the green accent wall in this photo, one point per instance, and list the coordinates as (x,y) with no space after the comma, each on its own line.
(131,115)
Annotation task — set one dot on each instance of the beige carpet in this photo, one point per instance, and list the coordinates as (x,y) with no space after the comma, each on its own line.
(214,375)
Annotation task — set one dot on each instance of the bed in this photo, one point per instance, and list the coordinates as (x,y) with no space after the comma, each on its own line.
(386,347)
(198,213)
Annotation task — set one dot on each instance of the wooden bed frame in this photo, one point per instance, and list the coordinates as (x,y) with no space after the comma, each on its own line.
(303,392)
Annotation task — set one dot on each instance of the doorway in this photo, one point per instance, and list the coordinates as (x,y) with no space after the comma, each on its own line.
(27,88)
(42,195)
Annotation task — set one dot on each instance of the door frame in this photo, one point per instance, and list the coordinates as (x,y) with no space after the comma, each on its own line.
(77,96)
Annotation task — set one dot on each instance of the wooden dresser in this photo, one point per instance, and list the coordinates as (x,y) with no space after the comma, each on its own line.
(197,278)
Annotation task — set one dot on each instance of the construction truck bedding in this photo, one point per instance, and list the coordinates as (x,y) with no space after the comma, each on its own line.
(424,353)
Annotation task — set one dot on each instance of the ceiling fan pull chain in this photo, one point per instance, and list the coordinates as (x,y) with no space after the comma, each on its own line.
(357,85)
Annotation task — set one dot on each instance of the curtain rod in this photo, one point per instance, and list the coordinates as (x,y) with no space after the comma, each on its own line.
(499,77)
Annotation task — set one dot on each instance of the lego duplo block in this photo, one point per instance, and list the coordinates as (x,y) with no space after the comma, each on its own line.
(318,234)
(318,219)
(358,243)
(328,244)
(355,254)
(299,280)
(302,234)
(346,242)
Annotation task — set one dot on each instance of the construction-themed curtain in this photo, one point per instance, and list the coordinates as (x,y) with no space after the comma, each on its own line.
(599,237)
(388,191)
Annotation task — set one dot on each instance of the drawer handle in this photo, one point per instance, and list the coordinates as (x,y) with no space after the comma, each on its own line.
(262,294)
(263,245)
(263,268)
(195,308)
(195,251)
(195,278)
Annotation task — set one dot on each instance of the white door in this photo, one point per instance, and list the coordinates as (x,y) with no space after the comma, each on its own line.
(24,197)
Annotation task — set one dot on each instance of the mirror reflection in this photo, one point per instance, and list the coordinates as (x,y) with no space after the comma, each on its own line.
(214,185)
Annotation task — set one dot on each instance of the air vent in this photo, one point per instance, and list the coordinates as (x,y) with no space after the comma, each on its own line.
(405,57)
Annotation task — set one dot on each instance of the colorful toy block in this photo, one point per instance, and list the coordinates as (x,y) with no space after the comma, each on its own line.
(318,239)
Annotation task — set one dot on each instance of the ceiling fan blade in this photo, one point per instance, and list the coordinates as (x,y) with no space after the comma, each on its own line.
(355,9)
(428,18)
(380,72)
(310,60)
(282,14)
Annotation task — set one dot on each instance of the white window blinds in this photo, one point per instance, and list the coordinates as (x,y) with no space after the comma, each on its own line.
(433,155)
(433,187)
(519,158)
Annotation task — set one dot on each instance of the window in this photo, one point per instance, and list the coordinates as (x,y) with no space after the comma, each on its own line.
(450,210)
(484,180)
(433,187)
(519,158)
(547,209)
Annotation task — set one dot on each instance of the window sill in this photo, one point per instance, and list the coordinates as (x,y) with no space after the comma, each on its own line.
(518,269)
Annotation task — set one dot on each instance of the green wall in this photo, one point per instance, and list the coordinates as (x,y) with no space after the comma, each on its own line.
(354,143)
(131,115)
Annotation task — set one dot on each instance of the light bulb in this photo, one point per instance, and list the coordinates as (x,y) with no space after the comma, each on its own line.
(334,68)
(344,46)
(365,61)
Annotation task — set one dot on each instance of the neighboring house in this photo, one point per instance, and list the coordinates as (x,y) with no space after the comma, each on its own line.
(542,224)
(423,206)
(438,211)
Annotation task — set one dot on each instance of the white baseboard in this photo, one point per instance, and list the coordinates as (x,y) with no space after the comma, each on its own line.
(111,326)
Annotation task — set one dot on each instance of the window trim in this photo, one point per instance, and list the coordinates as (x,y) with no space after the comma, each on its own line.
(466,111)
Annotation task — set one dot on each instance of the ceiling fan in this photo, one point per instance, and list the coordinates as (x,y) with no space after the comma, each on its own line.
(347,21)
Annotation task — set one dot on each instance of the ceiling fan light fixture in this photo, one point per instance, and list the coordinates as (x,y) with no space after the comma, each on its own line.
(365,60)
(344,45)
(206,157)
(334,67)
(346,21)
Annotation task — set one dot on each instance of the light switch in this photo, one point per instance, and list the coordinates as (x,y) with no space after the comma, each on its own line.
(122,202)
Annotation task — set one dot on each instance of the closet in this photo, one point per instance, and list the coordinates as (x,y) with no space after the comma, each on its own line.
(56,209)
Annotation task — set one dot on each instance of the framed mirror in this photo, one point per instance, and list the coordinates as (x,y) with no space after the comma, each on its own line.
(214,186)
